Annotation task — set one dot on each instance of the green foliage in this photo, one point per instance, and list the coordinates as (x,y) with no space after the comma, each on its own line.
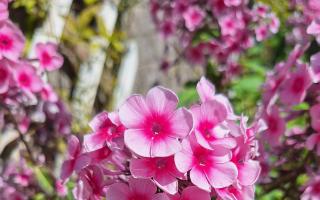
(188,96)
(280,7)
(44,180)
(37,8)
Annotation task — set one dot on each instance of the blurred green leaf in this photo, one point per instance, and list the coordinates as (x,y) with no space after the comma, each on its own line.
(44,180)
(301,106)
(188,96)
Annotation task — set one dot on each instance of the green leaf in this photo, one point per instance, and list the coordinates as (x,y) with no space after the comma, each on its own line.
(301,106)
(44,180)
(188,96)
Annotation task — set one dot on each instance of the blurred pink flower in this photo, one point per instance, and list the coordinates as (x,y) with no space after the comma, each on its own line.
(27,78)
(313,141)
(315,117)
(276,126)
(107,129)
(294,88)
(48,94)
(162,170)
(231,24)
(232,2)
(193,17)
(5,75)
(154,125)
(48,56)
(11,41)
(138,189)
(236,192)
(75,159)
(312,191)
(4,14)
(315,67)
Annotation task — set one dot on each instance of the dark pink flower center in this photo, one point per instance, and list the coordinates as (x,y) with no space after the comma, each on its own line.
(157,126)
(316,188)
(24,80)
(201,157)
(298,85)
(205,128)
(45,58)
(161,163)
(5,42)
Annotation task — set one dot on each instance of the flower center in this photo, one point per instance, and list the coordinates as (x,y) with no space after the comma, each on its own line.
(161,163)
(5,42)
(156,128)
(45,58)
(24,80)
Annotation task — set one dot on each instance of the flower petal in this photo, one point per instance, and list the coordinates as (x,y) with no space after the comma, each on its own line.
(136,141)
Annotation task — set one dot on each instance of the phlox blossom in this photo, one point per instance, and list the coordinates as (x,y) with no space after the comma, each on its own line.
(193,17)
(48,56)
(154,126)
(191,193)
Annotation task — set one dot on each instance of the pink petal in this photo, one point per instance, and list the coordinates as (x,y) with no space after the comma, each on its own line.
(222,175)
(199,178)
(132,113)
(141,168)
(181,123)
(161,100)
(82,162)
(66,169)
(160,196)
(194,192)
(166,182)
(312,140)
(136,141)
(249,172)
(142,186)
(118,191)
(165,147)
(205,89)
(73,146)
(184,158)
(97,122)
(314,28)
(94,141)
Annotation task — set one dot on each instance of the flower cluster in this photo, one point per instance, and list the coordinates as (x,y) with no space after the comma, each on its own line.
(28,104)
(24,96)
(218,29)
(291,107)
(149,143)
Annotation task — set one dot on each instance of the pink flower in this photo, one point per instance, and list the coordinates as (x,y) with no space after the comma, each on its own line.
(91,184)
(162,170)
(27,78)
(196,54)
(314,28)
(5,75)
(230,24)
(11,41)
(192,193)
(315,67)
(313,141)
(315,117)
(154,126)
(209,131)
(312,191)
(75,160)
(295,86)
(61,188)
(107,129)
(208,168)
(138,189)
(276,126)
(193,17)
(206,92)
(167,28)
(48,94)
(261,32)
(236,192)
(48,56)
(274,24)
